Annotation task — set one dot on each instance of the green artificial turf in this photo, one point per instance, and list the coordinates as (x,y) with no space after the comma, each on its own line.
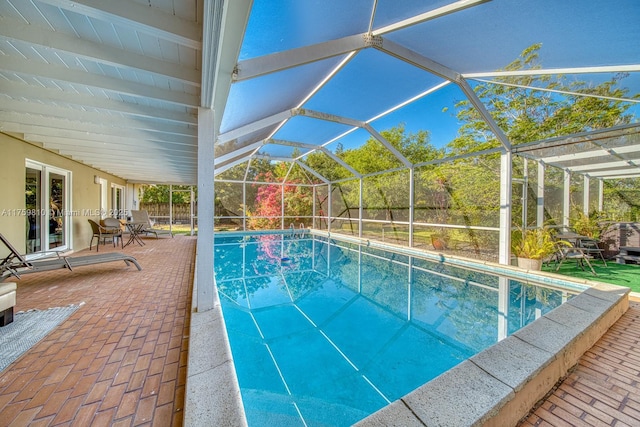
(617,274)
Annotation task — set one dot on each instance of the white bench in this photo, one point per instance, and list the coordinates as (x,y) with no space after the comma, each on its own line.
(7,302)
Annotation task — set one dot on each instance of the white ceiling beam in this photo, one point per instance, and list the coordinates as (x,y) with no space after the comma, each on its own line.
(130,167)
(632,175)
(254,67)
(438,69)
(151,164)
(273,158)
(48,95)
(111,163)
(601,152)
(223,44)
(340,162)
(292,143)
(48,126)
(329,117)
(562,92)
(155,171)
(149,20)
(224,167)
(555,71)
(96,52)
(211,35)
(411,57)
(254,126)
(572,156)
(80,145)
(428,16)
(81,118)
(238,152)
(388,145)
(312,171)
(52,142)
(592,167)
(615,173)
(37,68)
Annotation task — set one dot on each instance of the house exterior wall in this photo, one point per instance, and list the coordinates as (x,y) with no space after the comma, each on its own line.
(84,193)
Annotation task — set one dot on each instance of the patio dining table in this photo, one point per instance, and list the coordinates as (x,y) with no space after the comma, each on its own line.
(135,229)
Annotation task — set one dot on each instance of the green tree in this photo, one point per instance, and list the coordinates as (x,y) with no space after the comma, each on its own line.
(527,115)
(160,194)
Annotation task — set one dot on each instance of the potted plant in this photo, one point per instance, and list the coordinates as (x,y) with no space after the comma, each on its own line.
(533,246)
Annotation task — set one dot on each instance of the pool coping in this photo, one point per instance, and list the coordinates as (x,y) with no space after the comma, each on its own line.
(497,386)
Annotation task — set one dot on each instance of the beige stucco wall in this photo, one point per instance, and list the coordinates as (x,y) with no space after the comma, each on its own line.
(85,195)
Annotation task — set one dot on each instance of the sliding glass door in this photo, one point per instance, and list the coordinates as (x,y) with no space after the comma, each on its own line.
(47,223)
(33,195)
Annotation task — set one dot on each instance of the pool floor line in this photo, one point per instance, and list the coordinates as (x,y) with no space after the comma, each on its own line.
(277,366)
(318,328)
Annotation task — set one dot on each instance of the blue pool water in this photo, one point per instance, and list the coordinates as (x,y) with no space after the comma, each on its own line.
(324,333)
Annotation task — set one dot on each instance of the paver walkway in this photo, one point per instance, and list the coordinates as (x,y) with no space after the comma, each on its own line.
(121,358)
(604,388)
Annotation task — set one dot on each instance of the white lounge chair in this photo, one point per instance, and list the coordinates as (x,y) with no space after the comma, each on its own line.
(15,264)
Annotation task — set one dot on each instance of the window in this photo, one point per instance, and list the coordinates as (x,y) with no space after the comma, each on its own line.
(117,201)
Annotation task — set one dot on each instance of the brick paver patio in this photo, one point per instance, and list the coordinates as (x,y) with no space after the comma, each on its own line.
(121,358)
(604,388)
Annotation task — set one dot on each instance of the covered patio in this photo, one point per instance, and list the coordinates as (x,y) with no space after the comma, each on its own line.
(121,358)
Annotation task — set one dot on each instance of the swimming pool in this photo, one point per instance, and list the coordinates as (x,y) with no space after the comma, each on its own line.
(325,332)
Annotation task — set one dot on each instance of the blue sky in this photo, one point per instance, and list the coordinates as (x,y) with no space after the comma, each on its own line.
(573,33)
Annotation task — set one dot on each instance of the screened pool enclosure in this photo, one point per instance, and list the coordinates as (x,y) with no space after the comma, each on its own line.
(407,121)
(450,204)
(440,125)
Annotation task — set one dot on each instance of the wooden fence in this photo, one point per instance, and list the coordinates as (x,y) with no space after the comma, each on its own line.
(159,212)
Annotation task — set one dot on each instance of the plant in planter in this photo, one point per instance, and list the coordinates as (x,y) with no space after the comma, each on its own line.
(533,246)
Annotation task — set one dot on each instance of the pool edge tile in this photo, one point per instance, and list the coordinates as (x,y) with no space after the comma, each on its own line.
(212,393)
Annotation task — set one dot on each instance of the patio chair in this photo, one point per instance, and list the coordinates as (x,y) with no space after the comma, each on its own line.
(591,247)
(574,253)
(142,216)
(15,264)
(114,226)
(103,233)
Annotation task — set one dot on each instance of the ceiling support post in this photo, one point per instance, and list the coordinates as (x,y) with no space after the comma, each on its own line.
(566,199)
(504,255)
(412,186)
(329,197)
(586,195)
(206,209)
(540,195)
(600,195)
(361,209)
